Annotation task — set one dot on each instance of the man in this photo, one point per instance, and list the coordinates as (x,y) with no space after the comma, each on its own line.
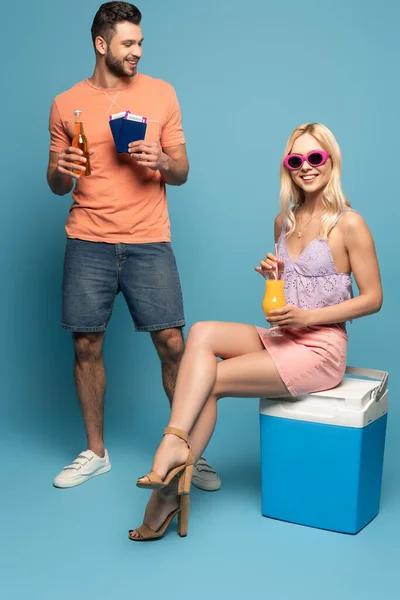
(118,231)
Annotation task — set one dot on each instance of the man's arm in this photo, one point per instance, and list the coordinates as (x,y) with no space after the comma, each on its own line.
(176,165)
(169,154)
(59,183)
(172,162)
(62,169)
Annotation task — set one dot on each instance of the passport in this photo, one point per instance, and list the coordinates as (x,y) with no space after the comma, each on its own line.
(126,128)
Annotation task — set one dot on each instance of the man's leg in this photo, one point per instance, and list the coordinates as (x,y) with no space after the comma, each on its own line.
(90,284)
(90,384)
(170,346)
(150,284)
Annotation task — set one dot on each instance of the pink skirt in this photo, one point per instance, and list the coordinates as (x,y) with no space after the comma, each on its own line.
(308,359)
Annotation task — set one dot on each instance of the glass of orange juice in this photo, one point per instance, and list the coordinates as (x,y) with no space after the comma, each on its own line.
(274,297)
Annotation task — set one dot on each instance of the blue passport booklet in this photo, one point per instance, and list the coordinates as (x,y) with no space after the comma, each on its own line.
(126,128)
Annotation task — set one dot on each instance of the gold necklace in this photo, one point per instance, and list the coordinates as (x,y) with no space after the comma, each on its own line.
(300,231)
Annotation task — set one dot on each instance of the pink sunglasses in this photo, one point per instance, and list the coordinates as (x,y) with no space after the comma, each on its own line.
(315,158)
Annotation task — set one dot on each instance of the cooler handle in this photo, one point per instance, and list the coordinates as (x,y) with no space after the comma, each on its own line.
(382,376)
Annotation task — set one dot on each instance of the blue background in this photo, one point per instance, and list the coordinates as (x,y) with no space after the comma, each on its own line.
(246,74)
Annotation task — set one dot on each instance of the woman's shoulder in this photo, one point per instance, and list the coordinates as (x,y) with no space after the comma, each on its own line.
(352,223)
(351,218)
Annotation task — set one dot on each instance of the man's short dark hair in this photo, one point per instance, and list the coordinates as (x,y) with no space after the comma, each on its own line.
(109,15)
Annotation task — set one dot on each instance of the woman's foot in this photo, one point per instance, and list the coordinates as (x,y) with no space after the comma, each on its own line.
(172,452)
(161,504)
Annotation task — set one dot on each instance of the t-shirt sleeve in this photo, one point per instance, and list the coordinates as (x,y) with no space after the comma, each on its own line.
(59,138)
(172,132)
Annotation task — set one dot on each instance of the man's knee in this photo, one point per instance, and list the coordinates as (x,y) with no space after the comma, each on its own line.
(169,344)
(88,346)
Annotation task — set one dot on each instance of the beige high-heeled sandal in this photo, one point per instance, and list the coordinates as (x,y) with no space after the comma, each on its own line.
(154,481)
(147,534)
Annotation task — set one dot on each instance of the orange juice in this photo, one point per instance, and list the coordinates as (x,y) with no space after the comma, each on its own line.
(274,296)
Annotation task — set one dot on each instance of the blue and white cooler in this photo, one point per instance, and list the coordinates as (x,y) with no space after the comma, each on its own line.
(322,454)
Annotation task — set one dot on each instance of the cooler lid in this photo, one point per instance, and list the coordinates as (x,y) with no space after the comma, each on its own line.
(354,402)
(355,393)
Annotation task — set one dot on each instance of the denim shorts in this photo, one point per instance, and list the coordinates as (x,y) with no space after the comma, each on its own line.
(146,274)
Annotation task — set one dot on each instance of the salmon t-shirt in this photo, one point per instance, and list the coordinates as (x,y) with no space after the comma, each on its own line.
(120,202)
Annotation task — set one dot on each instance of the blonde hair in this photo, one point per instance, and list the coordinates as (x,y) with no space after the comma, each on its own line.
(291,196)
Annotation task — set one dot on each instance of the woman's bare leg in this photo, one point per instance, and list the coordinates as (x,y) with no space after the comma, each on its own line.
(247,371)
(232,339)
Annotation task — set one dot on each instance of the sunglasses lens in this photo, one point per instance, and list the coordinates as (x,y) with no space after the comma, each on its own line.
(294,162)
(315,159)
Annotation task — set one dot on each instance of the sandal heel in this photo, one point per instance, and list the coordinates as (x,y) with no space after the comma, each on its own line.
(183,516)
(185,481)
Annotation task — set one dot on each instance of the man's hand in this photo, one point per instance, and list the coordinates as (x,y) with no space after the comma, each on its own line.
(69,156)
(148,154)
(67,159)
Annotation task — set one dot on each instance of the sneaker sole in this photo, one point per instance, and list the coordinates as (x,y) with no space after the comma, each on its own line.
(81,479)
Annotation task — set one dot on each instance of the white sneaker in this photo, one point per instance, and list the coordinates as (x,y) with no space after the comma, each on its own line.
(85,466)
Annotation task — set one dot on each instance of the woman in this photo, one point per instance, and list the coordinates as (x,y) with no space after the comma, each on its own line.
(321,241)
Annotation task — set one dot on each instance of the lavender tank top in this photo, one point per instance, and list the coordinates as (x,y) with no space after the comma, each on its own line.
(312,281)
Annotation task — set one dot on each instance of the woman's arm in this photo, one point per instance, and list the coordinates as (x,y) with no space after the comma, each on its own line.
(364,266)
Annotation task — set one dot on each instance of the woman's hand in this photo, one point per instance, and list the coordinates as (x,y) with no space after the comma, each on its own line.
(267,266)
(290,316)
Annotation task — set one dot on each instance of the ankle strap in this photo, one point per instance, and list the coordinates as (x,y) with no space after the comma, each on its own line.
(178,432)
